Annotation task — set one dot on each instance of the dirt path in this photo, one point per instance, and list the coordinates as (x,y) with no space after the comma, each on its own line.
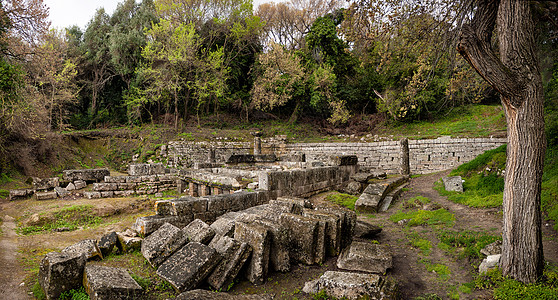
(11,275)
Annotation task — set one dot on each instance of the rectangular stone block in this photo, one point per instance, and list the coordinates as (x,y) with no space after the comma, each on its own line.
(332,232)
(258,238)
(162,243)
(88,248)
(366,257)
(199,231)
(96,175)
(108,283)
(304,237)
(46,195)
(147,225)
(60,272)
(235,254)
(189,266)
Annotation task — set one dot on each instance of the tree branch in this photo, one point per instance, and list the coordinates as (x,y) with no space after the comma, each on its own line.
(475,46)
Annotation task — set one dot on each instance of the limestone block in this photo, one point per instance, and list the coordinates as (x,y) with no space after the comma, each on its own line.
(353,188)
(258,237)
(157,247)
(71,187)
(45,183)
(304,237)
(104,187)
(453,183)
(108,194)
(60,272)
(107,243)
(199,231)
(224,225)
(147,225)
(347,285)
(20,194)
(92,195)
(86,174)
(489,263)
(109,283)
(115,179)
(146,169)
(366,230)
(80,184)
(332,230)
(235,254)
(46,195)
(492,249)
(87,248)
(181,206)
(210,295)
(128,241)
(366,257)
(189,266)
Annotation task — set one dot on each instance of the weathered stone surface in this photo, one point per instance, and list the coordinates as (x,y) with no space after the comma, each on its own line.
(353,188)
(235,254)
(344,160)
(371,199)
(209,295)
(258,237)
(224,226)
(347,285)
(86,174)
(189,266)
(87,248)
(39,220)
(363,177)
(147,225)
(199,231)
(366,257)
(107,243)
(332,229)
(128,241)
(368,203)
(161,244)
(366,230)
(110,283)
(489,263)
(46,195)
(71,187)
(20,194)
(390,197)
(348,221)
(45,183)
(92,195)
(304,237)
(60,272)
(453,183)
(492,249)
(60,191)
(146,169)
(80,184)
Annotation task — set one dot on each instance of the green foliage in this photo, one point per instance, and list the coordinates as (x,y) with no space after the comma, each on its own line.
(143,282)
(417,201)
(471,241)
(425,246)
(549,188)
(440,217)
(345,200)
(507,288)
(37,291)
(75,294)
(442,270)
(71,217)
(495,158)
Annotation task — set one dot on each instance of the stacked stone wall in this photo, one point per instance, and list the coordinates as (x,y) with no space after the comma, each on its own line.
(116,186)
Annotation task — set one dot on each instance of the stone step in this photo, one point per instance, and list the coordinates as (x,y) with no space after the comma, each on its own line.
(392,196)
(370,200)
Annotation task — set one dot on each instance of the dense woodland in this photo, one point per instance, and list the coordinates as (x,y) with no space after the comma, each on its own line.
(163,61)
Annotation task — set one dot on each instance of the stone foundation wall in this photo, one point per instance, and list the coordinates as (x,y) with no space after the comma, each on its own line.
(426,156)
(115,186)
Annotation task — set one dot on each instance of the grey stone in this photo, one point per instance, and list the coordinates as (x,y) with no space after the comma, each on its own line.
(92,195)
(209,295)
(453,183)
(128,242)
(60,272)
(20,194)
(96,175)
(371,199)
(363,177)
(347,285)
(489,263)
(199,231)
(366,257)
(223,226)
(258,237)
(147,225)
(305,234)
(60,191)
(110,283)
(70,187)
(146,169)
(333,229)
(235,254)
(46,183)
(87,248)
(391,196)
(45,195)
(353,188)
(344,160)
(107,243)
(80,184)
(189,266)
(493,248)
(157,247)
(366,230)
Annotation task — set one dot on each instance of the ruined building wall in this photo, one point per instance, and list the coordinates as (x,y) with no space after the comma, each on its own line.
(426,156)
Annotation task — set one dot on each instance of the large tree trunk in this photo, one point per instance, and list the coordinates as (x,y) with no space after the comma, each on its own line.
(515,74)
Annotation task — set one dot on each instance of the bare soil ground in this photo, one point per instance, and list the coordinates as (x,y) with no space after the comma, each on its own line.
(20,255)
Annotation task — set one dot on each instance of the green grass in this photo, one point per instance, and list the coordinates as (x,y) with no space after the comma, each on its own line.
(417,201)
(345,200)
(75,294)
(506,288)
(439,217)
(549,192)
(425,246)
(442,270)
(471,242)
(71,217)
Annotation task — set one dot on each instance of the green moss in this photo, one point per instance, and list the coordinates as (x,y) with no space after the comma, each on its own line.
(471,241)
(506,288)
(345,200)
(442,270)
(440,217)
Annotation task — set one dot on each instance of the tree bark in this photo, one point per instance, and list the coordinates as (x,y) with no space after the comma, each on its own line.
(515,74)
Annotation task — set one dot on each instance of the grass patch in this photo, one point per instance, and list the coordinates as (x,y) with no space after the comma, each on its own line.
(417,201)
(442,270)
(71,217)
(549,192)
(345,200)
(471,241)
(75,294)
(425,246)
(439,217)
(505,288)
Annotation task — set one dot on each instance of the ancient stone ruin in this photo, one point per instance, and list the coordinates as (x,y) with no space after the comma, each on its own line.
(243,215)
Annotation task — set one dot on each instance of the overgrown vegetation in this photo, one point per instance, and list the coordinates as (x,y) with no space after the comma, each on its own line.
(67,218)
(505,288)
(345,200)
(469,243)
(439,217)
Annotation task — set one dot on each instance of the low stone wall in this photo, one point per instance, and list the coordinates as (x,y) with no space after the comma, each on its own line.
(305,182)
(115,186)
(426,156)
